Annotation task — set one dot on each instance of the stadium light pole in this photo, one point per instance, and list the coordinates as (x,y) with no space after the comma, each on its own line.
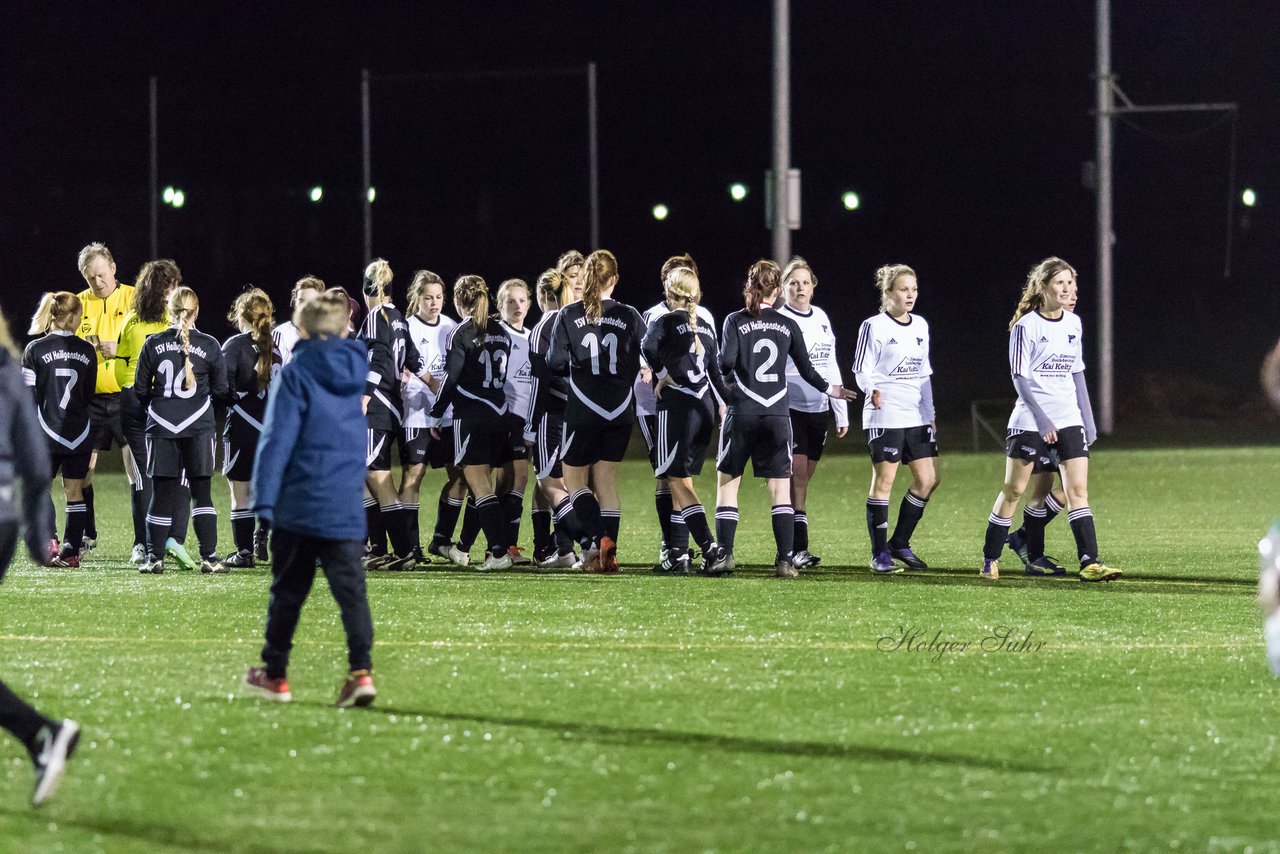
(593,155)
(1105,106)
(781,129)
(367,161)
(153,99)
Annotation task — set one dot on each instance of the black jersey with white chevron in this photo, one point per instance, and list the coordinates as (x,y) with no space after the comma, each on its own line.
(753,356)
(550,391)
(669,348)
(476,371)
(62,369)
(248,401)
(391,351)
(600,359)
(174,410)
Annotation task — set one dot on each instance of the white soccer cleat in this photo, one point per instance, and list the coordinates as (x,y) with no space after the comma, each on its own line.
(495,564)
(458,556)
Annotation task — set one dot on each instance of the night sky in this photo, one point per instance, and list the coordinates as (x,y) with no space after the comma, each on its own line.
(962,125)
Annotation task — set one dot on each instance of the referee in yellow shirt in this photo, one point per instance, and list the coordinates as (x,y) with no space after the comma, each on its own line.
(106,302)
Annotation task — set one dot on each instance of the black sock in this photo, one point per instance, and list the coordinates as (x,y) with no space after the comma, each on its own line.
(447,512)
(377,532)
(1033,519)
(20,718)
(695,520)
(396,525)
(139,498)
(471,525)
(512,510)
(662,503)
(1052,507)
(489,512)
(997,533)
(678,544)
(414,528)
(90,519)
(611,523)
(784,530)
(1086,538)
(726,525)
(878,524)
(242,523)
(568,526)
(802,532)
(909,513)
(164,492)
(74,532)
(204,518)
(587,509)
(181,511)
(541,521)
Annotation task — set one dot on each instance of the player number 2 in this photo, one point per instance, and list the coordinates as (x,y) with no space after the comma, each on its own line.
(762,373)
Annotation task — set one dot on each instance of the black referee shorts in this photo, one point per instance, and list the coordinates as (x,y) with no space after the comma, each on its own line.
(104,422)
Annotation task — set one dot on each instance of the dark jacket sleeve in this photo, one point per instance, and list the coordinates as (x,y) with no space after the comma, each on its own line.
(219,389)
(729,347)
(800,356)
(145,376)
(454,360)
(280,428)
(651,347)
(718,386)
(412,357)
(31,463)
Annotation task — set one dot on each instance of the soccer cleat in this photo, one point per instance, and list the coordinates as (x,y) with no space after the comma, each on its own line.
(53,550)
(139,555)
(518,557)
(357,690)
(260,545)
(458,557)
(559,560)
(990,570)
(56,747)
(1045,565)
(1099,572)
(716,561)
(178,552)
(440,550)
(71,560)
(805,560)
(590,560)
(884,564)
(240,560)
(87,543)
(152,566)
(492,563)
(373,563)
(666,562)
(258,683)
(212,565)
(608,560)
(683,566)
(908,558)
(400,564)
(783,568)
(1017,543)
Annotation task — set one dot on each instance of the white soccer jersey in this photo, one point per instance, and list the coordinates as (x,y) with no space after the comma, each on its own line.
(1047,353)
(286,337)
(519,385)
(820,341)
(646,403)
(432,342)
(893,357)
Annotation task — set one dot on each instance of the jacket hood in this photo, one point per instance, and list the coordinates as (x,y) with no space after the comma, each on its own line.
(339,365)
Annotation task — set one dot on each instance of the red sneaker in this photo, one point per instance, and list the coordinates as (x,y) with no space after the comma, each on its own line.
(71,559)
(259,684)
(607,563)
(358,690)
(518,557)
(55,549)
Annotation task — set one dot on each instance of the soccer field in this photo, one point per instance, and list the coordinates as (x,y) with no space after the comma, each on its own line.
(559,712)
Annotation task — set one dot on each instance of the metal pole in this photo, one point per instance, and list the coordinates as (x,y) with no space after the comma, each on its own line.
(593,155)
(155,169)
(367,153)
(781,127)
(1105,105)
(1231,195)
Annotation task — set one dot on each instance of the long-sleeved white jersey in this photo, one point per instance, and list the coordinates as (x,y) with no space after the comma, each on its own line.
(286,337)
(1046,353)
(646,403)
(892,357)
(432,341)
(820,341)
(519,385)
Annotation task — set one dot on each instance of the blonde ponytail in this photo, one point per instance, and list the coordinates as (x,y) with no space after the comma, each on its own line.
(471,296)
(6,338)
(599,267)
(53,311)
(683,292)
(183,307)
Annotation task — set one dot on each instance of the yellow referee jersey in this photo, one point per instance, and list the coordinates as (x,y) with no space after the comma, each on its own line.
(104,318)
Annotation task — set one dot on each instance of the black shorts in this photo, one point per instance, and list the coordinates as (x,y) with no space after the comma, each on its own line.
(684,432)
(413,446)
(765,440)
(592,441)
(190,455)
(516,448)
(104,421)
(1029,446)
(546,449)
(440,451)
(480,441)
(649,430)
(809,433)
(74,466)
(377,448)
(239,446)
(901,444)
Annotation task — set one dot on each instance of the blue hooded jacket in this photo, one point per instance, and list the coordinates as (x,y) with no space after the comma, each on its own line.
(308,475)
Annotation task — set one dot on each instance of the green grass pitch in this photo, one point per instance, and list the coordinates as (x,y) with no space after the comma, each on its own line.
(528,712)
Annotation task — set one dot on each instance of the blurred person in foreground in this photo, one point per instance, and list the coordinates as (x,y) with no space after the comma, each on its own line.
(1269,546)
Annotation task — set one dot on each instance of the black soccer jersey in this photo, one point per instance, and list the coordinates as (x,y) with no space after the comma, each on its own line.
(249,402)
(62,369)
(476,365)
(753,355)
(391,350)
(550,391)
(670,351)
(600,359)
(175,411)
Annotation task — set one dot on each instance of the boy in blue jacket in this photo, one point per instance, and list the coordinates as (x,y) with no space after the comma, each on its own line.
(308,480)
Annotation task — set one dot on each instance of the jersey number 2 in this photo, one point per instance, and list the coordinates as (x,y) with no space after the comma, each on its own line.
(762,373)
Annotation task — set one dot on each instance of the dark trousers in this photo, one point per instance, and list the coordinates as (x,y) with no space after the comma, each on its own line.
(293,569)
(16,715)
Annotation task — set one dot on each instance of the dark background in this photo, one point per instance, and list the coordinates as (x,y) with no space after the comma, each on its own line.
(964,127)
